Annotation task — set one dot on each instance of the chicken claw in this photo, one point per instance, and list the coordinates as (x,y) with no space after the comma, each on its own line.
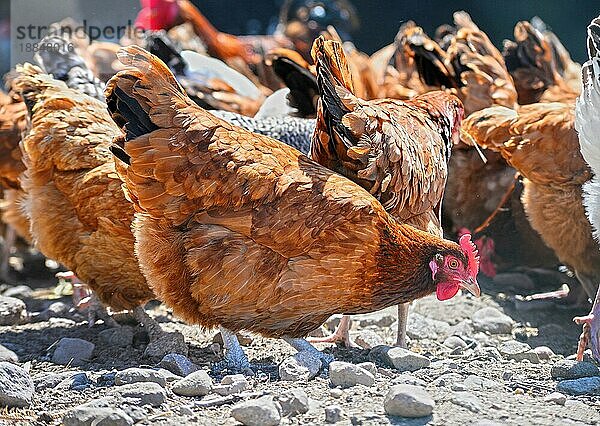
(161,342)
(341,334)
(302,345)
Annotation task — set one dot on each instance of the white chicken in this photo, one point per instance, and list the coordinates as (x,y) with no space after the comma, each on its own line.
(587,123)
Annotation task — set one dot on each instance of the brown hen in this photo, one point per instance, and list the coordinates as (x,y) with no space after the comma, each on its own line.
(238,230)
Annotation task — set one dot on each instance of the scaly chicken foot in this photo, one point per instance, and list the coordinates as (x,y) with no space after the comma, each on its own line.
(161,341)
(235,358)
(340,335)
(402,323)
(302,345)
(96,311)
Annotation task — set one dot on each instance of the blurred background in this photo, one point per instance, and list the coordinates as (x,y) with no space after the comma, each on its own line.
(379,19)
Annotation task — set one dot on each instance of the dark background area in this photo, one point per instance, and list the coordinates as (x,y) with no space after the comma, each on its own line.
(381,19)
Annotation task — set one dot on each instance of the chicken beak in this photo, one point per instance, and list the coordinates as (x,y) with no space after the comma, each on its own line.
(471,286)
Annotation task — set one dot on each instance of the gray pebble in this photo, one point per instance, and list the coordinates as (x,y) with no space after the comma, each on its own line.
(408,401)
(455,342)
(257,412)
(368,339)
(370,367)
(544,353)
(447,379)
(50,380)
(77,382)
(519,351)
(6,355)
(293,402)
(72,351)
(345,374)
(336,393)
(420,327)
(91,415)
(146,393)
(583,386)
(178,364)
(197,383)
(473,382)
(231,384)
(139,375)
(408,379)
(404,360)
(12,311)
(120,337)
(16,386)
(556,397)
(572,369)
(301,366)
(467,400)
(167,343)
(492,321)
(55,310)
(333,414)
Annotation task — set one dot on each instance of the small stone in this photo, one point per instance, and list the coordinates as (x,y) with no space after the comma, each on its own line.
(556,397)
(333,322)
(16,386)
(72,351)
(347,375)
(185,411)
(178,364)
(455,342)
(420,327)
(167,343)
(404,360)
(448,379)
(77,382)
(370,367)
(146,393)
(89,414)
(583,386)
(55,310)
(19,292)
(121,337)
(467,400)
(572,369)
(6,355)
(492,321)
(333,414)
(12,311)
(301,366)
(234,383)
(519,351)
(197,383)
(514,279)
(293,402)
(51,380)
(473,382)
(407,378)
(544,353)
(257,412)
(139,375)
(408,401)
(169,377)
(336,393)
(368,339)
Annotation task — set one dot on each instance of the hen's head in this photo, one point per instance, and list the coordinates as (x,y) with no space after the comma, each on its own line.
(446,109)
(453,271)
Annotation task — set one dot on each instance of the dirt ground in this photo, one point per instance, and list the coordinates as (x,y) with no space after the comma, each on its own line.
(512,394)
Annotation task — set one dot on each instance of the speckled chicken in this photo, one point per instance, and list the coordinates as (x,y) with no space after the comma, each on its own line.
(397,150)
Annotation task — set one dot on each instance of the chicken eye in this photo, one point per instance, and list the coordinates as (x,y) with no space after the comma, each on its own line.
(453,264)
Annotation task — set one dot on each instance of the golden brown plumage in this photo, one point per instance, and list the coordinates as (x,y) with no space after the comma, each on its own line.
(13,123)
(540,141)
(237,229)
(78,212)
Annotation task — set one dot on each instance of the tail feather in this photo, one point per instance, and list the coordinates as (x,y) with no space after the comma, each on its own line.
(333,76)
(130,96)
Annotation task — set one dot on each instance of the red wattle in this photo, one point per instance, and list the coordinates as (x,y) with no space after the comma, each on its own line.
(445,291)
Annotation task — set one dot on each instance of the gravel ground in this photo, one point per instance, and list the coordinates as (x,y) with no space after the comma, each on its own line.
(484,375)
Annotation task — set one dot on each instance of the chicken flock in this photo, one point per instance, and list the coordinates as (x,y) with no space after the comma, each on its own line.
(266,183)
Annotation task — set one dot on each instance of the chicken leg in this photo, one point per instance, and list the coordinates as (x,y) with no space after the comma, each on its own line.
(591,331)
(402,323)
(341,334)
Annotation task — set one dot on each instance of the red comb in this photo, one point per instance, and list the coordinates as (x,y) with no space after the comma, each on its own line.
(470,251)
(157,14)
